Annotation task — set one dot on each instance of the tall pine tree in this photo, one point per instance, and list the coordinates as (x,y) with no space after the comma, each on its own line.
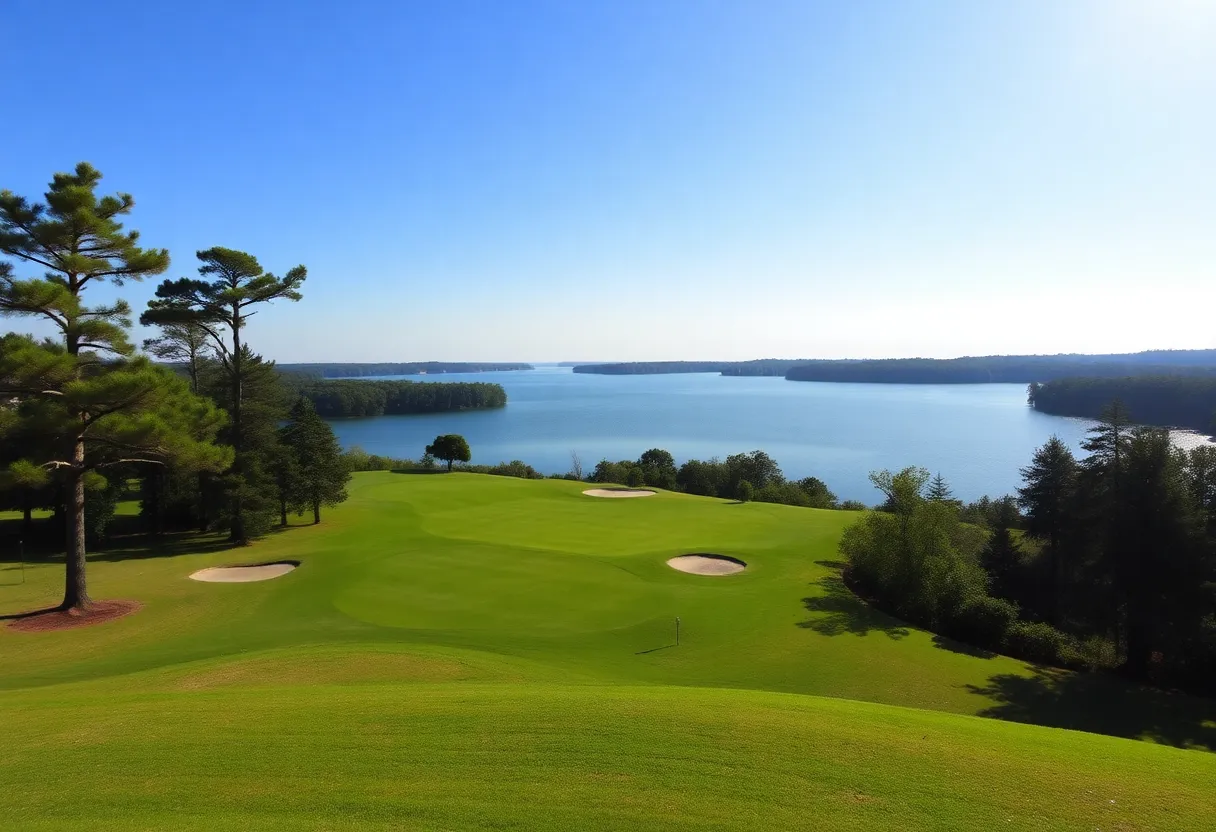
(233,281)
(320,477)
(1048,498)
(94,403)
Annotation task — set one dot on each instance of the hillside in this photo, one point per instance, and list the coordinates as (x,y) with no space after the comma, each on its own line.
(478,652)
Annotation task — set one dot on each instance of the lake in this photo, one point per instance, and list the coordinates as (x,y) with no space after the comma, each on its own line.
(977,436)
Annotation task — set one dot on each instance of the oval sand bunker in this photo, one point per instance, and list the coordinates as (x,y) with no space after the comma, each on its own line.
(618,492)
(244,574)
(707,564)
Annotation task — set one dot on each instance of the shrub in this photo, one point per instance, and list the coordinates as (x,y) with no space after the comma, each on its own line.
(634,478)
(745,491)
(983,621)
(1036,641)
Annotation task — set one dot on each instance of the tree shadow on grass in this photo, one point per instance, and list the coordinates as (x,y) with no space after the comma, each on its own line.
(1100,703)
(945,643)
(839,611)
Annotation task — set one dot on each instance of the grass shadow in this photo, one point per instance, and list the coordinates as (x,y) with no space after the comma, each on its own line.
(1100,703)
(839,611)
(653,650)
(831,564)
(944,643)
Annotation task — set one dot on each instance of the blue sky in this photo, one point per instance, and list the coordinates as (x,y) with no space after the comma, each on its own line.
(653,180)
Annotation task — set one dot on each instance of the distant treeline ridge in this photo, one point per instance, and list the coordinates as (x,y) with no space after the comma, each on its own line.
(410,368)
(759,367)
(339,398)
(1164,401)
(1007,369)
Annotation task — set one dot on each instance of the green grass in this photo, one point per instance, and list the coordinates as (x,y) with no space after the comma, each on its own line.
(480,652)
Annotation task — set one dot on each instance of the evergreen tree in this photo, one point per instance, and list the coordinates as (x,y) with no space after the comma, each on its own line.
(246,497)
(220,307)
(1001,556)
(181,343)
(315,461)
(1160,574)
(939,490)
(91,401)
(1048,499)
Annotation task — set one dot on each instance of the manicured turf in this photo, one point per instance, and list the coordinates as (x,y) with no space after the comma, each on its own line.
(480,652)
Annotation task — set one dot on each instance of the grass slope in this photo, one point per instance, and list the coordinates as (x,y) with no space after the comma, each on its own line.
(478,652)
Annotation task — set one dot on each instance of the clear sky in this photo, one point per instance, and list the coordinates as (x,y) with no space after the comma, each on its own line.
(652,179)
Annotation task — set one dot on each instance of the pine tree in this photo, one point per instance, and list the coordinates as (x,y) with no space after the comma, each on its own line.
(220,307)
(320,476)
(939,490)
(1001,556)
(181,343)
(1048,498)
(87,396)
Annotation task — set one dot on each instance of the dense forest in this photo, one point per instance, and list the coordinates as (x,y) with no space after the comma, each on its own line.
(1007,369)
(1108,562)
(1166,401)
(343,398)
(758,367)
(409,368)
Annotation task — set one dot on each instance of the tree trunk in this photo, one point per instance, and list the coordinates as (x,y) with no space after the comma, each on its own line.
(282,512)
(236,530)
(76,592)
(316,512)
(449,466)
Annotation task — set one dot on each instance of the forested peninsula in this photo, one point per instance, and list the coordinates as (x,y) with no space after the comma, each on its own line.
(409,368)
(1166,401)
(1008,369)
(338,398)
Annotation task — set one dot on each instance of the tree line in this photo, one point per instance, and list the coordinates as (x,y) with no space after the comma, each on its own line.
(758,367)
(341,399)
(1107,562)
(745,476)
(83,413)
(398,368)
(1006,369)
(1166,401)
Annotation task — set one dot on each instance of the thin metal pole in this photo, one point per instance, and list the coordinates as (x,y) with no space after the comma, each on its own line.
(677,631)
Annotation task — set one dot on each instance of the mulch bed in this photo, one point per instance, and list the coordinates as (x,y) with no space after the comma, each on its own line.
(45,621)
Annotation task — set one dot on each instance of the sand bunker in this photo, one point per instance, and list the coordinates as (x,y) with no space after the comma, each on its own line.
(618,492)
(244,574)
(706,564)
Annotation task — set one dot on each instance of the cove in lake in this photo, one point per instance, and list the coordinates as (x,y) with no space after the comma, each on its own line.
(978,436)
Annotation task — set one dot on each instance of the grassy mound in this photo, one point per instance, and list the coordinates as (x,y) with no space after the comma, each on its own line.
(479,652)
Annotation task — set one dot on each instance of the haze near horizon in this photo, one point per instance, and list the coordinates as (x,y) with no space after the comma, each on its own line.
(545,181)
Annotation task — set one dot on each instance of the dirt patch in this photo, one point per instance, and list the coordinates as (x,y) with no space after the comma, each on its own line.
(707,564)
(244,574)
(618,492)
(45,621)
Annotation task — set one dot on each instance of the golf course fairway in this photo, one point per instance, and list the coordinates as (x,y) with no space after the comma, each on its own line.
(475,652)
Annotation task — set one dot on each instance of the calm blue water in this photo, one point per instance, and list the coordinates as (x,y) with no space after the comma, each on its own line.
(977,436)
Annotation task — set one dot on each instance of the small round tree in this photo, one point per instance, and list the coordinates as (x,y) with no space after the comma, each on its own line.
(451,447)
(745,491)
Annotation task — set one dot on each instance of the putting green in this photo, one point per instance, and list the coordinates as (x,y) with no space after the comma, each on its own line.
(480,652)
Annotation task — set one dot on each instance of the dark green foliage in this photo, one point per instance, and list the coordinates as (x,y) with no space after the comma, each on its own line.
(708,478)
(219,304)
(635,478)
(309,472)
(91,405)
(939,490)
(744,491)
(658,468)
(1036,641)
(817,493)
(1001,556)
(340,399)
(983,620)
(451,448)
(760,367)
(1048,500)
(1168,400)
(1007,369)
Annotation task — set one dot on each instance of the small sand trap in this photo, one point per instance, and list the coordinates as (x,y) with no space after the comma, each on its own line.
(244,574)
(705,564)
(618,492)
